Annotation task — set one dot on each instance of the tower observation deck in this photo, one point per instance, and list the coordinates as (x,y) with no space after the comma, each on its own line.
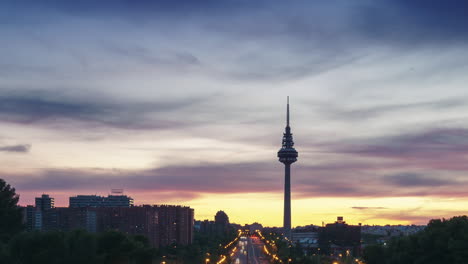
(287,155)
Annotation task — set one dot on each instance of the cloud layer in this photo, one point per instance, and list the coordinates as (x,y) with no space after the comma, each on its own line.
(186,98)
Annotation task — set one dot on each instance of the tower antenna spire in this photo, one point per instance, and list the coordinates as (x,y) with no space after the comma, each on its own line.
(287,113)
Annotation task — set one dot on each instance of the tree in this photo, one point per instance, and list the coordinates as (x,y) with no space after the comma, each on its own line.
(81,247)
(38,248)
(443,241)
(373,254)
(114,247)
(10,212)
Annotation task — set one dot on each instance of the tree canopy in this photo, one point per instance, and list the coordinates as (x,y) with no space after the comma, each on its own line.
(10,212)
(443,241)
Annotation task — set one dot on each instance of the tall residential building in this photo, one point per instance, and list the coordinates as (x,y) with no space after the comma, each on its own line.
(44,202)
(287,155)
(163,225)
(101,201)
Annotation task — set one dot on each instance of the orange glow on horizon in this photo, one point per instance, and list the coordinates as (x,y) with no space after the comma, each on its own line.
(267,208)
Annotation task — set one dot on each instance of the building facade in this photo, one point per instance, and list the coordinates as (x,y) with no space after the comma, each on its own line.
(163,225)
(340,238)
(29,216)
(101,201)
(44,202)
(219,226)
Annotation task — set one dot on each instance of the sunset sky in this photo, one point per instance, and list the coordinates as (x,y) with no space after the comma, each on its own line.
(183,102)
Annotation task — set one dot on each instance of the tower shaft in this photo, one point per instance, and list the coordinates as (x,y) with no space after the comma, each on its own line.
(287,201)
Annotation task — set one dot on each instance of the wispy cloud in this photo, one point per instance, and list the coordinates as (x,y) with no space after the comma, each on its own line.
(204,178)
(433,148)
(368,208)
(417,180)
(16,148)
(141,54)
(363,113)
(48,108)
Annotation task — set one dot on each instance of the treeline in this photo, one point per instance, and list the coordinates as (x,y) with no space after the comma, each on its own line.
(81,247)
(442,241)
(76,247)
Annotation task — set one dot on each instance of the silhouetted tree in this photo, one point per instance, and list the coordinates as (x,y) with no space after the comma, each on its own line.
(38,248)
(374,254)
(114,247)
(81,247)
(10,212)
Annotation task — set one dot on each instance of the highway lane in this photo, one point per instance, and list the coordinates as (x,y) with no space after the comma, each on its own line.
(249,250)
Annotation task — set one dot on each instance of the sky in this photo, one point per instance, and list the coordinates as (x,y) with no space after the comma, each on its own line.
(183,102)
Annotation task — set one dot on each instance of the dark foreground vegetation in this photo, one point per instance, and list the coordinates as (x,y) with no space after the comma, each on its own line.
(106,248)
(443,241)
(76,247)
(80,247)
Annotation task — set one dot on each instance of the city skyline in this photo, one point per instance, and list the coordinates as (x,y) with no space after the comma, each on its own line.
(183,103)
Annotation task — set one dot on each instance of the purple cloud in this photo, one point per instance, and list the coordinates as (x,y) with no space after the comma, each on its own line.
(439,149)
(16,148)
(36,108)
(307,181)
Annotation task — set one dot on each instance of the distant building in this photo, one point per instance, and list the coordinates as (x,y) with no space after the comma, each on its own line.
(307,240)
(44,202)
(29,215)
(86,201)
(222,222)
(392,230)
(273,229)
(118,201)
(137,220)
(163,225)
(101,201)
(38,219)
(221,218)
(207,226)
(255,226)
(175,225)
(219,226)
(197,225)
(307,237)
(340,238)
(67,219)
(34,217)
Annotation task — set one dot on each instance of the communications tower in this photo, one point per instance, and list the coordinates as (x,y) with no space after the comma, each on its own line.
(287,155)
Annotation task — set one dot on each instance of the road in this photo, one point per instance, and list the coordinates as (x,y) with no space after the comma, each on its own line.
(249,250)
